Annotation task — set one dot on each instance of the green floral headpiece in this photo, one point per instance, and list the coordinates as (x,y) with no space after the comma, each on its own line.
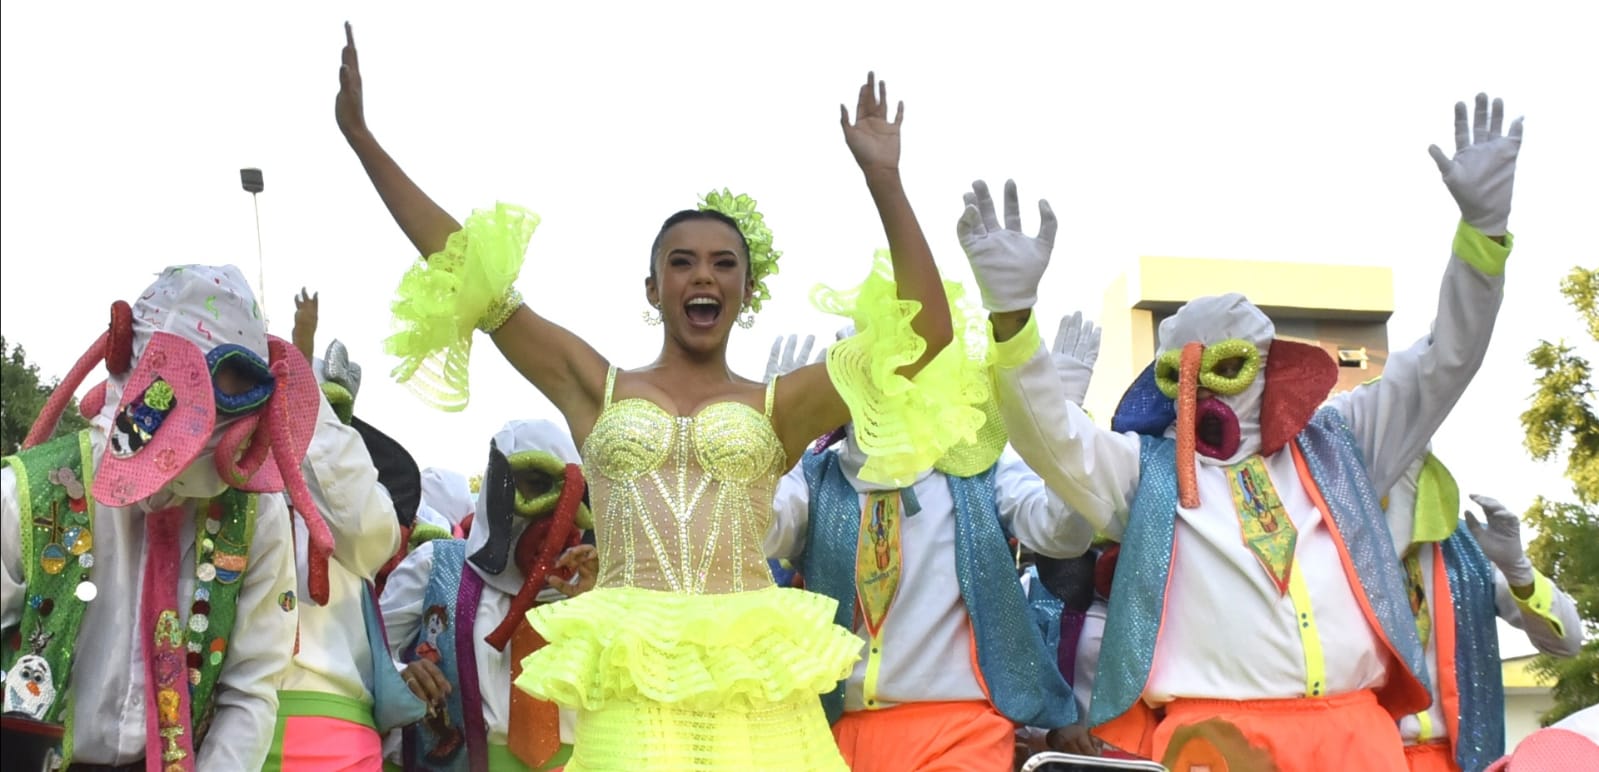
(763,259)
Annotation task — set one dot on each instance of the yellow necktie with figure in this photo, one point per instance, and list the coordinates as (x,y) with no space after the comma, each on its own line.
(877,560)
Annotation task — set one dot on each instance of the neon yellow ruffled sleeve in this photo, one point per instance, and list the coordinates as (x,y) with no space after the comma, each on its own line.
(906,425)
(442,297)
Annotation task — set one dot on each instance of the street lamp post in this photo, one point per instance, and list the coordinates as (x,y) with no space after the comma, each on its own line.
(253,184)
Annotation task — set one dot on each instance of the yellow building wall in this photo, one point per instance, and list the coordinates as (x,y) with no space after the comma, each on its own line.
(1342,303)
(1526,698)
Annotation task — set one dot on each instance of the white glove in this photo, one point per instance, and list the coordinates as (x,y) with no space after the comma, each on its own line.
(784,360)
(1500,540)
(1008,263)
(1076,350)
(1483,170)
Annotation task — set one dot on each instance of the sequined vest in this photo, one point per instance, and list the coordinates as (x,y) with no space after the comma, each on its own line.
(1133,620)
(450,740)
(1019,673)
(57,548)
(1479,680)
(1046,610)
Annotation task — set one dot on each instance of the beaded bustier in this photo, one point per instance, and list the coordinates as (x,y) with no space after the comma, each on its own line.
(682,503)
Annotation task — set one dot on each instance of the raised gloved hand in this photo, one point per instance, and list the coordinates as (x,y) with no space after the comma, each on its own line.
(1007,262)
(785,360)
(1076,350)
(1483,170)
(1500,539)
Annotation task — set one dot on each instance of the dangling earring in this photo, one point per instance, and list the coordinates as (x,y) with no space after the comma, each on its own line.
(746,319)
(652,316)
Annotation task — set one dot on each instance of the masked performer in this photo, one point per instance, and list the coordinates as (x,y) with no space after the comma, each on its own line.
(148,561)
(952,661)
(1460,580)
(449,494)
(456,611)
(1237,496)
(340,693)
(686,657)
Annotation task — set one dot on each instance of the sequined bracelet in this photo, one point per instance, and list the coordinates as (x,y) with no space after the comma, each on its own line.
(500,311)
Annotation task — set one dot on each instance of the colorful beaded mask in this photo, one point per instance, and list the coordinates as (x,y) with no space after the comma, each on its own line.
(1265,395)
(516,549)
(165,354)
(535,453)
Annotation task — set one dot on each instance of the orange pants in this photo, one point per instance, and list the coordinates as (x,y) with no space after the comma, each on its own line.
(928,737)
(1435,756)
(1347,731)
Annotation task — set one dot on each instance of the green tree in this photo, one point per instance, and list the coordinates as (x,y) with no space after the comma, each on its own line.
(22,396)
(1563,417)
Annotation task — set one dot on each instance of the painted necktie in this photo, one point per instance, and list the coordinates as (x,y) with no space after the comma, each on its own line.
(169,744)
(1418,595)
(877,560)
(534,735)
(1262,520)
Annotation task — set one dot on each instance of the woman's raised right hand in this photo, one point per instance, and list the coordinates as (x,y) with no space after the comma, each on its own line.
(347,107)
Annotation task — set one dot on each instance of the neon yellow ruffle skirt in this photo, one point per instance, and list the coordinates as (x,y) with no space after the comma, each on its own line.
(671,681)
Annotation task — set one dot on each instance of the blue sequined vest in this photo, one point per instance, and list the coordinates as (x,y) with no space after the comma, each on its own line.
(1020,673)
(1133,621)
(439,741)
(1045,609)
(1478,675)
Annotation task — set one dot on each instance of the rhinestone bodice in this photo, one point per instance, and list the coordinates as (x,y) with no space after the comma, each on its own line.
(682,503)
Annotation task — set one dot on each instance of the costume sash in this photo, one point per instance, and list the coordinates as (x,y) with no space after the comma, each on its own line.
(1480,738)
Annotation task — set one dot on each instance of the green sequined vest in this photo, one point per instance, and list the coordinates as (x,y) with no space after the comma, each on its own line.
(56,519)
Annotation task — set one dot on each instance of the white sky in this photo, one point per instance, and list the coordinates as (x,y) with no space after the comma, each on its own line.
(1234,130)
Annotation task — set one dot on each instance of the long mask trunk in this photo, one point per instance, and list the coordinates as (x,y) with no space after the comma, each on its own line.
(1187,425)
(562,524)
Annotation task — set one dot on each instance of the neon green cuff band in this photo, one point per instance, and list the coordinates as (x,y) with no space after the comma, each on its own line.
(1542,601)
(1481,252)
(1021,347)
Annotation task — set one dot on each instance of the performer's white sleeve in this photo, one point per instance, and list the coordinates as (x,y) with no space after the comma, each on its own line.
(1093,470)
(259,651)
(1395,417)
(1035,515)
(791,515)
(404,594)
(1548,617)
(13,585)
(343,481)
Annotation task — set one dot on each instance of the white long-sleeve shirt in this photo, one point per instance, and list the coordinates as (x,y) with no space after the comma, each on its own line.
(1214,576)
(926,645)
(403,601)
(108,664)
(334,657)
